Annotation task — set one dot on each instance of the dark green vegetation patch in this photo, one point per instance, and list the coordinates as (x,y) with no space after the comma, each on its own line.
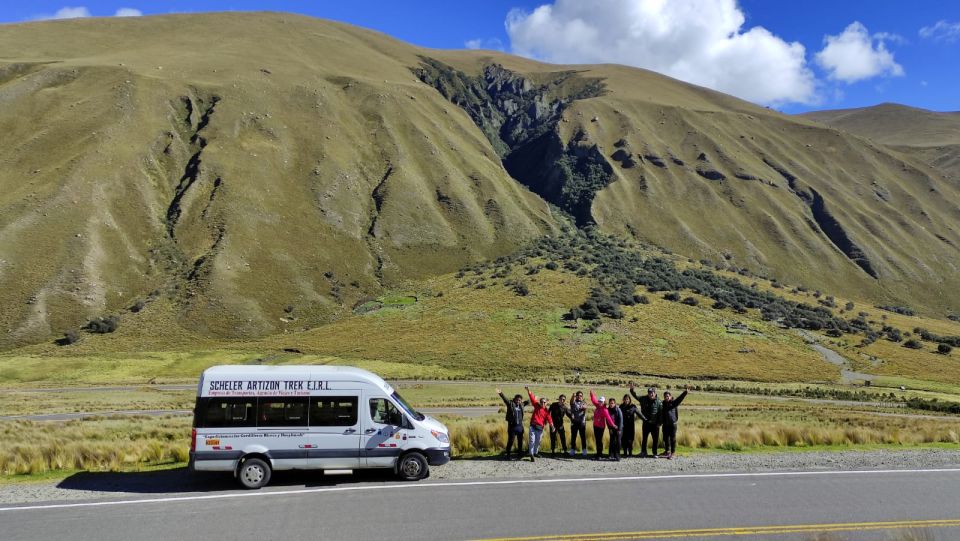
(618,268)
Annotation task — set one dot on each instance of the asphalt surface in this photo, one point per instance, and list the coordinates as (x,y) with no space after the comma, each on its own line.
(786,505)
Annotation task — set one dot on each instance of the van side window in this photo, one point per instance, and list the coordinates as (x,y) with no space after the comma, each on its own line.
(282,411)
(333,411)
(383,412)
(226,412)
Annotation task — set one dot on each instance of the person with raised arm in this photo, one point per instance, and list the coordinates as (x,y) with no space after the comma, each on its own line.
(601,420)
(670,416)
(650,413)
(514,418)
(538,419)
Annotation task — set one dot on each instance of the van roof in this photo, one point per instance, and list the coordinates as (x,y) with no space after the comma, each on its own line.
(343,373)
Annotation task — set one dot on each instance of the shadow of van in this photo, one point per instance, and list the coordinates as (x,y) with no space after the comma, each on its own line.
(181,480)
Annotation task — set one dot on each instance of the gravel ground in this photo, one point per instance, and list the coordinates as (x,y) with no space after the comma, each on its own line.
(97,486)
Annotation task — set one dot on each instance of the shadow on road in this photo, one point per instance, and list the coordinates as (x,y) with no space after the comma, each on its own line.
(182,480)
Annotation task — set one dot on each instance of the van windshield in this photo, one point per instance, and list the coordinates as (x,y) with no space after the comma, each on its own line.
(406,407)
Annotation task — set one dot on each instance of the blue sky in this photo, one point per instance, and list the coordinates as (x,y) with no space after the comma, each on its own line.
(768,51)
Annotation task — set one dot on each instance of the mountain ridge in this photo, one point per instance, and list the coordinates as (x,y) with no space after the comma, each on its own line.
(266,172)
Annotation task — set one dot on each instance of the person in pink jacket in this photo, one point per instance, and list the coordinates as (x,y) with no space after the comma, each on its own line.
(601,420)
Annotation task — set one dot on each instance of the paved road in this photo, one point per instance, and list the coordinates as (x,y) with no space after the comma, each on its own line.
(798,505)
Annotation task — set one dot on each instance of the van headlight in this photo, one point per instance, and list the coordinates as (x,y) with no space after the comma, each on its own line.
(440,436)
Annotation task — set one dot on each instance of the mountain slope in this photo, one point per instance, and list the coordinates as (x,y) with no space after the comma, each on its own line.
(262,173)
(241,164)
(930,136)
(895,125)
(711,176)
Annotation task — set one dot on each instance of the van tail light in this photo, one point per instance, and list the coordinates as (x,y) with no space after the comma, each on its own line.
(193,440)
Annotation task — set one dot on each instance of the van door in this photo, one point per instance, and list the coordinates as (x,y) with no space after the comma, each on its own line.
(383,437)
(282,425)
(333,439)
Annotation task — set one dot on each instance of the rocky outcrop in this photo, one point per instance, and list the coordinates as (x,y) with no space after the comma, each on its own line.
(520,119)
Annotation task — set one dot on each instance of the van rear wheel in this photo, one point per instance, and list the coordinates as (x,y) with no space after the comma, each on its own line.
(254,473)
(412,467)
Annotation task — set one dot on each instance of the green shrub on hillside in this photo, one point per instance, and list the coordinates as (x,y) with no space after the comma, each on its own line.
(102,325)
(913,344)
(902,310)
(69,337)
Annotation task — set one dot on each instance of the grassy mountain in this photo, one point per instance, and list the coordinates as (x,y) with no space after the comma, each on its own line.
(237,175)
(895,125)
(512,319)
(713,177)
(931,136)
(254,168)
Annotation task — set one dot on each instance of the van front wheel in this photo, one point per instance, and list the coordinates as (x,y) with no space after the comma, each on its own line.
(412,467)
(254,473)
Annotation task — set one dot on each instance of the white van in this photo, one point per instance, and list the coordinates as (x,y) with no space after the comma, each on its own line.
(251,420)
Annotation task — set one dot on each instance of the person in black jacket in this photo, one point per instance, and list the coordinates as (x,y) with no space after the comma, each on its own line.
(514,418)
(559,410)
(650,413)
(616,432)
(630,414)
(670,416)
(578,423)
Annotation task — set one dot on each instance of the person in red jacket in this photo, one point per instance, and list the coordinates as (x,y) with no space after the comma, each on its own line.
(601,420)
(538,419)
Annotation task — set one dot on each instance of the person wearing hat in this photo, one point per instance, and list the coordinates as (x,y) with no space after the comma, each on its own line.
(514,418)
(650,407)
(601,420)
(538,419)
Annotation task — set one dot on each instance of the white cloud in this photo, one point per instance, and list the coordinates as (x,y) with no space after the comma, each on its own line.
(699,41)
(855,55)
(941,31)
(493,44)
(891,37)
(79,12)
(69,13)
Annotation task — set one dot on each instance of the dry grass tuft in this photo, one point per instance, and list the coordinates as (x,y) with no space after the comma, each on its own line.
(28,447)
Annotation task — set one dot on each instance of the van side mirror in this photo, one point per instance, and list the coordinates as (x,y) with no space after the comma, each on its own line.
(405,423)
